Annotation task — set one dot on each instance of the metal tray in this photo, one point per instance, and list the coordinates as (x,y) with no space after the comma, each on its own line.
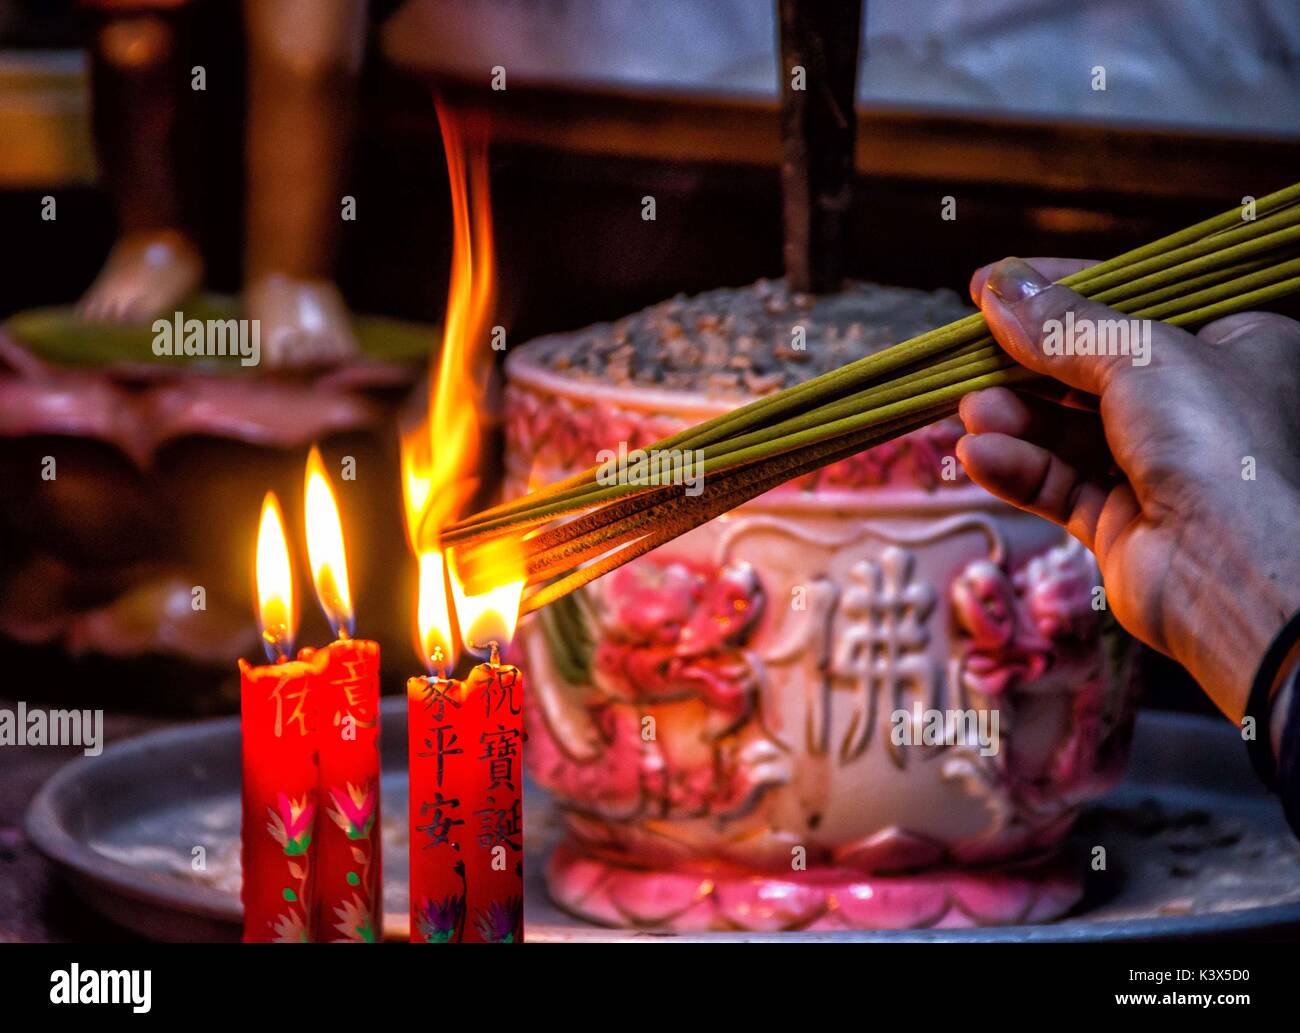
(1197,849)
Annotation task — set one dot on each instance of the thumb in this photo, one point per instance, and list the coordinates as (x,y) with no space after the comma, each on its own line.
(1055,331)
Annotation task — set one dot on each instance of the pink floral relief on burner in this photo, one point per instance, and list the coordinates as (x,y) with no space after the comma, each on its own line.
(671,651)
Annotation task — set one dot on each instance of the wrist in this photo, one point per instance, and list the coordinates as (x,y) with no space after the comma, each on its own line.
(1282,707)
(1233,591)
(1269,725)
(1286,736)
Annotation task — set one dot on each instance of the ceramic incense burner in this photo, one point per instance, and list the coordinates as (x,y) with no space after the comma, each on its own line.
(734,726)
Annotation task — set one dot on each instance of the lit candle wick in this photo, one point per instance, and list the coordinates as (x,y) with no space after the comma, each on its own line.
(273,643)
(494,655)
(438,665)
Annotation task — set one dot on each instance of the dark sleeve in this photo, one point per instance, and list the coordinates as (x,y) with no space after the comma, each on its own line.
(1288,761)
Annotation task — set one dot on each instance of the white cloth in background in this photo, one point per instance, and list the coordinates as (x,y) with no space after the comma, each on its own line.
(1229,65)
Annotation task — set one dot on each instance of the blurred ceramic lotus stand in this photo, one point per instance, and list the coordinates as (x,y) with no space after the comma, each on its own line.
(141,425)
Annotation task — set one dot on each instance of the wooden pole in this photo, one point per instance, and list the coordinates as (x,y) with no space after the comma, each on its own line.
(819,74)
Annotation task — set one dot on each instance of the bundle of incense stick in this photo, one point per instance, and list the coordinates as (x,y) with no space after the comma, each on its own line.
(578,529)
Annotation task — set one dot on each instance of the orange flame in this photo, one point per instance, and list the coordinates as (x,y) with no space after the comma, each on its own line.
(274,581)
(490,617)
(432,617)
(329,565)
(440,458)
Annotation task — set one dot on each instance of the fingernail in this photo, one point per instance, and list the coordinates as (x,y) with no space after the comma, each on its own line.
(1013,280)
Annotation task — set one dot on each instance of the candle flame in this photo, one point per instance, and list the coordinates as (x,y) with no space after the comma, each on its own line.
(465,362)
(491,616)
(417,482)
(433,618)
(325,551)
(440,458)
(274,581)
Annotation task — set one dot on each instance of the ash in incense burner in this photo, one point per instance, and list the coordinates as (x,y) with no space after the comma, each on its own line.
(746,342)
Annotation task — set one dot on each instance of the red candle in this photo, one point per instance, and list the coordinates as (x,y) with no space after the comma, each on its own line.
(464,815)
(349,863)
(465,741)
(493,724)
(439,829)
(438,822)
(278,717)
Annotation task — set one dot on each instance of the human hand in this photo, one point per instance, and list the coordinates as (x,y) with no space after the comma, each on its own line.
(1185,481)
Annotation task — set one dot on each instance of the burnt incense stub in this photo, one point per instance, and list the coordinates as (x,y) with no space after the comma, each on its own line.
(790,655)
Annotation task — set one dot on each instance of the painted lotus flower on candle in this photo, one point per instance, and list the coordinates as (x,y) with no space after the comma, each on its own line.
(354,810)
(354,921)
(498,922)
(291,827)
(290,927)
(439,921)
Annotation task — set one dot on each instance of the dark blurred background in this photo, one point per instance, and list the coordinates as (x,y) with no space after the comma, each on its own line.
(570,164)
